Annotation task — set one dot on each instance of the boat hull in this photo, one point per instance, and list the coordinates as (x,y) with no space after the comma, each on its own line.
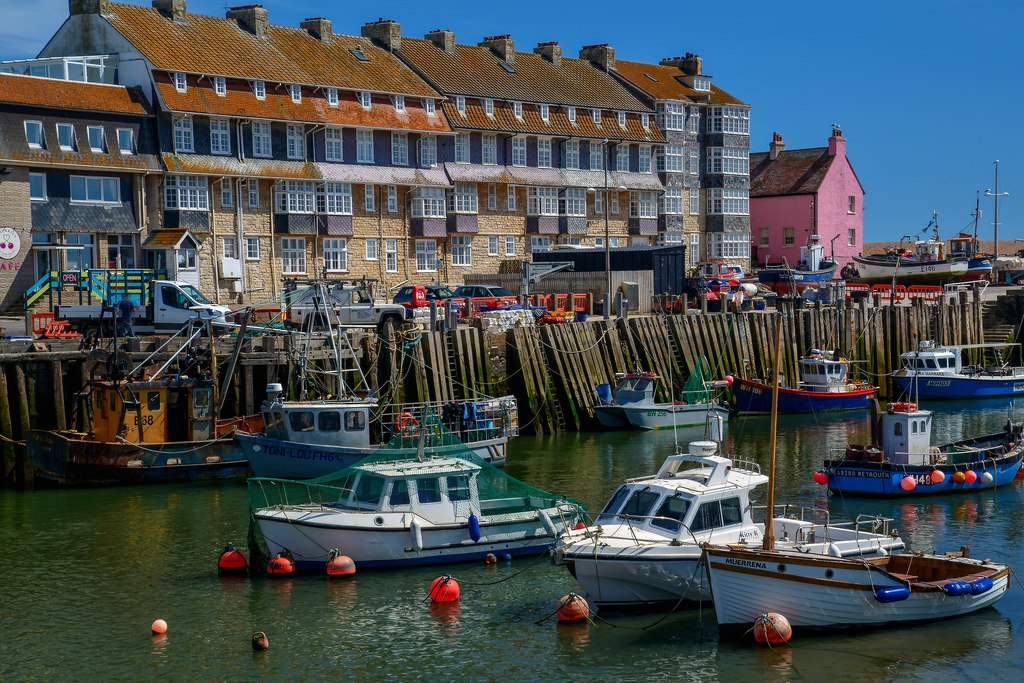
(611,417)
(954,387)
(784,281)
(58,460)
(874,271)
(639,576)
(756,397)
(669,415)
(885,478)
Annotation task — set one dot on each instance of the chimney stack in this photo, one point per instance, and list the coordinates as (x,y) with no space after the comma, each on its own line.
(443,38)
(776,147)
(550,51)
(837,143)
(690,64)
(174,9)
(385,33)
(77,7)
(502,46)
(253,18)
(319,28)
(601,55)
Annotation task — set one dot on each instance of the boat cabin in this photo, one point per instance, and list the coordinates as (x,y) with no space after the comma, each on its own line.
(438,489)
(631,388)
(823,371)
(152,412)
(906,434)
(964,247)
(930,359)
(812,255)
(929,250)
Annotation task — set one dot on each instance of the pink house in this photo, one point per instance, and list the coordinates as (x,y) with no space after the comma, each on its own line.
(802,192)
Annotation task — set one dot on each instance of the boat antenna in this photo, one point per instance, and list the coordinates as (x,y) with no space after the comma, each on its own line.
(769,534)
(977,213)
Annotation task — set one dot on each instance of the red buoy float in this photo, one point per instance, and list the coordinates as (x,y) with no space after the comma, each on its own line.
(971,476)
(444,589)
(281,564)
(938,476)
(232,562)
(908,483)
(820,478)
(159,627)
(580,525)
(772,628)
(340,566)
(572,608)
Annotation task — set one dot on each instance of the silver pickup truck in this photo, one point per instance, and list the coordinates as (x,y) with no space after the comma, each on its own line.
(344,303)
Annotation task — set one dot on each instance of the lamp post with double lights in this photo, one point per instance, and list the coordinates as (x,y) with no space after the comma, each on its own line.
(995,216)
(606,152)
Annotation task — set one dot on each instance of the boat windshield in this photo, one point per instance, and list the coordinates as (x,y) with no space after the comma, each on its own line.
(613,504)
(369,487)
(671,513)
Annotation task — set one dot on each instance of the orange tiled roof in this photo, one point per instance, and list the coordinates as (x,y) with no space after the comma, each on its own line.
(56,94)
(476,71)
(219,46)
(558,123)
(200,98)
(664,83)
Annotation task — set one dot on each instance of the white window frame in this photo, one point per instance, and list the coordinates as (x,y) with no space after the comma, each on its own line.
(296,197)
(851,206)
(364,146)
(595,115)
(334,144)
(538,243)
(672,159)
(180,81)
(252,248)
(518,151)
(573,202)
(372,249)
(702,83)
(492,197)
(542,201)
(462,142)
(596,160)
(599,202)
(429,202)
(571,154)
(488,106)
(259,89)
(693,120)
(220,86)
(645,120)
(672,201)
(492,245)
(643,204)
(729,245)
(391,255)
(694,202)
(728,160)
(261,140)
(186,193)
(334,198)
(735,120)
(252,186)
(96,145)
(332,97)
(571,113)
(296,138)
(220,136)
(227,194)
(37,126)
(464,199)
(41,177)
(622,158)
(293,255)
(426,256)
(851,237)
(693,249)
(544,156)
(430,106)
(510,246)
(728,201)
(671,115)
(399,149)
(398,101)
(766,237)
(645,159)
(620,116)
(462,250)
(512,201)
(428,151)
(392,199)
(489,149)
(545,113)
(369,199)
(460,104)
(184,140)
(613,204)
(335,251)
(517,109)
(229,248)
(70,128)
(365,99)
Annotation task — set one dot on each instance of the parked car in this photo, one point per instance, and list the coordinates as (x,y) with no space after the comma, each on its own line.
(406,296)
(489,296)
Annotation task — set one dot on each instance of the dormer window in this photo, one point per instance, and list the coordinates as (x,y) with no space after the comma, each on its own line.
(460,104)
(621,116)
(96,141)
(430,107)
(180,82)
(364,99)
(259,88)
(220,85)
(517,109)
(596,114)
(645,120)
(489,106)
(702,83)
(571,112)
(296,92)
(399,102)
(545,112)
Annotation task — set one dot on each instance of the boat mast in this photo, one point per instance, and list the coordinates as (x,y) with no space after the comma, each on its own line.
(769,534)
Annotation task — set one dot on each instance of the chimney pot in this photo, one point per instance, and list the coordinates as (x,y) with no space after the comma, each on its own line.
(601,55)
(443,38)
(253,18)
(550,51)
(777,146)
(503,46)
(318,27)
(384,32)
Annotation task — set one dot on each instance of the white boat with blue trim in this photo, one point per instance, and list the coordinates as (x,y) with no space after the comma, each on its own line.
(943,372)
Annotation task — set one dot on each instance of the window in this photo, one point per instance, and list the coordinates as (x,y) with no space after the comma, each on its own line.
(428,490)
(728,160)
(693,121)
(126,140)
(730,245)
(599,202)
(728,201)
(95,190)
(96,142)
(596,156)
(462,250)
(336,255)
(488,106)
(183,141)
(332,97)
(571,113)
(187,256)
(430,107)
(460,104)
(252,248)
(510,245)
(517,109)
(645,158)
(400,149)
(492,198)
(694,201)
(621,116)
(671,513)
(180,82)
(543,153)
(34,133)
(227,195)
(574,202)
(643,205)
(694,166)
(614,203)
(82,259)
(369,199)
(511,198)
(259,88)
(293,255)
(66,136)
(542,201)
(333,145)
(702,83)
(766,239)
(851,237)
(392,199)
(673,201)
(335,199)
(730,120)
(462,148)
(220,137)
(399,494)
(329,421)
(596,115)
(464,198)
(428,151)
(220,86)
(365,99)
(571,152)
(519,151)
(671,115)
(545,112)
(296,141)
(851,207)
(371,249)
(253,186)
(120,251)
(489,153)
(399,102)
(788,237)
(428,202)
(458,487)
(37,187)
(693,249)
(540,244)
(296,196)
(261,139)
(426,256)
(391,255)
(492,245)
(645,120)
(230,247)
(364,146)
(622,157)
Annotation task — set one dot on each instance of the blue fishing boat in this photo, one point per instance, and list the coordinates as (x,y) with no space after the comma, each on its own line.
(812,270)
(824,387)
(940,372)
(907,464)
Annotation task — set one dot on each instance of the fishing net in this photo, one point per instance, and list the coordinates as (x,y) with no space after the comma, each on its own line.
(696,388)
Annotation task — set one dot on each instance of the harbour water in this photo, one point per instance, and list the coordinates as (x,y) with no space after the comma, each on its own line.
(87,572)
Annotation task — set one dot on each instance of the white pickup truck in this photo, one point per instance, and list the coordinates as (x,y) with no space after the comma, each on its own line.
(350,302)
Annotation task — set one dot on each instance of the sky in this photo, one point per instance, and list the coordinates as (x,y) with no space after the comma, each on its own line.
(925,92)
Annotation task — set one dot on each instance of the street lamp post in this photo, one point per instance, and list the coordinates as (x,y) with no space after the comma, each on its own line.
(995,220)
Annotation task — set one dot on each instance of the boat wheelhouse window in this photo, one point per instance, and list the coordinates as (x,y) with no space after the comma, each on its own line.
(717,513)
(922,426)
(428,490)
(674,508)
(613,505)
(931,363)
(897,429)
(355,421)
(399,493)
(913,426)
(369,487)
(329,421)
(279,420)
(301,421)
(202,400)
(153,401)
(731,512)
(640,503)
(945,362)
(458,487)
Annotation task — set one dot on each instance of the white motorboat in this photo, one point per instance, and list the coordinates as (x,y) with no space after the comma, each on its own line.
(644,549)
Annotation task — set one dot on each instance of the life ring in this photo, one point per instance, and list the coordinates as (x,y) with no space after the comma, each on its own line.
(405,422)
(903,407)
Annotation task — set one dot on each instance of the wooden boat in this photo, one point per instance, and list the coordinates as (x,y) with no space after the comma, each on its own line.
(940,372)
(824,387)
(907,464)
(813,270)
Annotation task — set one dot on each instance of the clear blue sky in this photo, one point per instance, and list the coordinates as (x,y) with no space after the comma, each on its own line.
(926,91)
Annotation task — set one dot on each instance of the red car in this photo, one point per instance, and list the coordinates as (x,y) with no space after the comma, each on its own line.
(486,296)
(414,296)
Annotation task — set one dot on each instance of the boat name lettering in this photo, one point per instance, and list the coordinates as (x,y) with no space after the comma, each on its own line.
(756,391)
(864,474)
(657,413)
(938,383)
(746,563)
(299,454)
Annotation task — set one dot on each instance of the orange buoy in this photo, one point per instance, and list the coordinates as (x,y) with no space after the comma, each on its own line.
(281,564)
(772,628)
(971,476)
(907,483)
(959,477)
(444,589)
(572,608)
(490,559)
(260,641)
(159,627)
(938,476)
(232,562)
(580,525)
(340,565)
